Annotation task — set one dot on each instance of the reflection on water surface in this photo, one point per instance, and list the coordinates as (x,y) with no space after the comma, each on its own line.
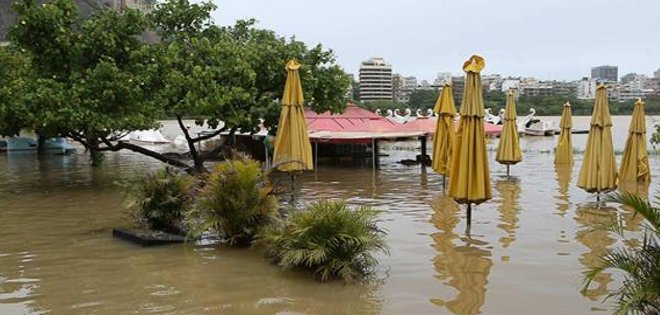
(527,249)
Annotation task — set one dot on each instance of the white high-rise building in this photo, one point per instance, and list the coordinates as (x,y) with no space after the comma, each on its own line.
(441,78)
(508,84)
(375,80)
(586,89)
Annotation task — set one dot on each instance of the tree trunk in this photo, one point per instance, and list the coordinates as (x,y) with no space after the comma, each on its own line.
(94,151)
(40,143)
(198,160)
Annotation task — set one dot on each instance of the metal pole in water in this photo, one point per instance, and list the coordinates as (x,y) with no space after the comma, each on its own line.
(373,155)
(469,218)
(293,189)
(316,156)
(267,159)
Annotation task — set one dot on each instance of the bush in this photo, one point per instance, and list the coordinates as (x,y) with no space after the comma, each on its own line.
(236,202)
(655,137)
(328,238)
(640,265)
(161,199)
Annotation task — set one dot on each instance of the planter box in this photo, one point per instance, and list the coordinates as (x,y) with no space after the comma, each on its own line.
(147,238)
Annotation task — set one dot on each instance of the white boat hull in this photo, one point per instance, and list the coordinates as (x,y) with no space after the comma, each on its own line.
(17,144)
(539,133)
(148,136)
(540,128)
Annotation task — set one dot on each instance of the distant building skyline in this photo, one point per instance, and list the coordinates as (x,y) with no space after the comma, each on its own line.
(548,40)
(374,74)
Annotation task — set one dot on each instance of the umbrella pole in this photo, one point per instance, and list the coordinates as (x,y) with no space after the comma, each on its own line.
(267,159)
(469,217)
(373,155)
(316,156)
(507,170)
(293,189)
(443,182)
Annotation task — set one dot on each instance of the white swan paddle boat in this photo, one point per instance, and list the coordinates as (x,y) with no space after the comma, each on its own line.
(56,145)
(536,127)
(151,136)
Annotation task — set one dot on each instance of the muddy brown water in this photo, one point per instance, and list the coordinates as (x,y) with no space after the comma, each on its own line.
(525,254)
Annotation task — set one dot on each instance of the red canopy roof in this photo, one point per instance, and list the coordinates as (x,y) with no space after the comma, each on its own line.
(354,119)
(360,125)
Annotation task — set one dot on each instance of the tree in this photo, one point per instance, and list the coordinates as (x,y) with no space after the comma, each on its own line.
(383,105)
(83,82)
(655,136)
(94,79)
(355,88)
(494,99)
(14,78)
(422,99)
(233,75)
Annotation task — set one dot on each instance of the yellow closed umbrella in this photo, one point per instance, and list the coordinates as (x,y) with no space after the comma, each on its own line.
(469,182)
(598,173)
(635,161)
(508,149)
(564,149)
(293,151)
(445,132)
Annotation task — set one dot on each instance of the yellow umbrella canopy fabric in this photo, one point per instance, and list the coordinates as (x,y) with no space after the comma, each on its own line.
(445,132)
(470,176)
(293,151)
(508,149)
(598,172)
(635,161)
(564,149)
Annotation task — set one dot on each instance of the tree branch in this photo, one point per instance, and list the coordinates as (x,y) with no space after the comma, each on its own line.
(78,137)
(129,146)
(214,153)
(197,160)
(209,136)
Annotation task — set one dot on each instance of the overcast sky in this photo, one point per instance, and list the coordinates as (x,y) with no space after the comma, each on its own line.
(547,39)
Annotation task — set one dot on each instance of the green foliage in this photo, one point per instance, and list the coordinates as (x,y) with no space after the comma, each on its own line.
(328,238)
(640,291)
(82,84)
(423,99)
(324,82)
(15,76)
(233,73)
(91,78)
(237,202)
(161,200)
(552,105)
(496,99)
(355,88)
(372,106)
(655,137)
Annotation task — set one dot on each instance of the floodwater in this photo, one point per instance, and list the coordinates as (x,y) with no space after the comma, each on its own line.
(525,254)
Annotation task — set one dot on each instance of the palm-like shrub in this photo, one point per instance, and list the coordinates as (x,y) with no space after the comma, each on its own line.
(161,200)
(328,238)
(655,137)
(640,292)
(236,202)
